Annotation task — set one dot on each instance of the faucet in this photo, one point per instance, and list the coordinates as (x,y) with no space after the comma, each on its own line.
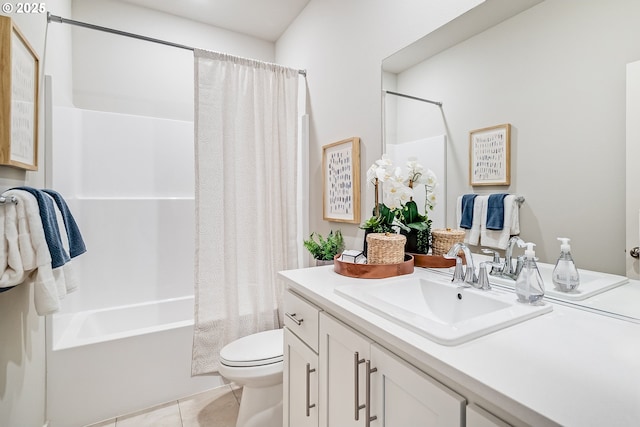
(470,272)
(509,270)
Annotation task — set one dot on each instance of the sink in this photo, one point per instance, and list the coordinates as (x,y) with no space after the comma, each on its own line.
(591,283)
(439,310)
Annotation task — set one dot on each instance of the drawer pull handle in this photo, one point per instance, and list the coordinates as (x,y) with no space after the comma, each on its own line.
(309,405)
(368,417)
(356,381)
(292,316)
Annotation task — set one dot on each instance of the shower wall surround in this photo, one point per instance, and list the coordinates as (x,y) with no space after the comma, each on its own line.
(130,181)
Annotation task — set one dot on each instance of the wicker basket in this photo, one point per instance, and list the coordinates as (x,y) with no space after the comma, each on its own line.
(385,248)
(444,239)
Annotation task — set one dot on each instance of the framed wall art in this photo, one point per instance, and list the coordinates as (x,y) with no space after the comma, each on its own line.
(341,181)
(490,156)
(19,79)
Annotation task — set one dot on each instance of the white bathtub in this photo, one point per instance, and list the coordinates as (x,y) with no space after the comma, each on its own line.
(108,362)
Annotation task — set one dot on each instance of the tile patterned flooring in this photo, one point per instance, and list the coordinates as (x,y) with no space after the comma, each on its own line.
(213,408)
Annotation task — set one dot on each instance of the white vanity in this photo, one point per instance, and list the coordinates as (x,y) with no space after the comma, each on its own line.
(348,365)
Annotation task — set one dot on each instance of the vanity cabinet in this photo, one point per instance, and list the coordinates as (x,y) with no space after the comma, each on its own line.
(300,380)
(300,371)
(363,384)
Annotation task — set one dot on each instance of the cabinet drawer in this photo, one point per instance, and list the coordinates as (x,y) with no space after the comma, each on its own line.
(301,317)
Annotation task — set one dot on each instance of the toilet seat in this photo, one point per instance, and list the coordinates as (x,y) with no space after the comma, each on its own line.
(262,348)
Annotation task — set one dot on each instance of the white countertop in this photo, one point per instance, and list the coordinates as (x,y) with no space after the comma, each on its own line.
(571,366)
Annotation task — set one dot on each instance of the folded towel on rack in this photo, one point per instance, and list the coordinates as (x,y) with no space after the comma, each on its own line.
(495,211)
(11,269)
(34,252)
(466,220)
(76,243)
(65,277)
(50,226)
(499,239)
(472,235)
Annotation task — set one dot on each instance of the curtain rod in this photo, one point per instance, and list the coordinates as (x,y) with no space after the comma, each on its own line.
(61,20)
(439,104)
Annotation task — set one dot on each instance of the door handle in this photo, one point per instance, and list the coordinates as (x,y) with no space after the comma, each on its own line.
(356,384)
(292,316)
(367,411)
(308,403)
(635,252)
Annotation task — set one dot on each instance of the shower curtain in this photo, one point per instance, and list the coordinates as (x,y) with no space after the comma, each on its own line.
(246,208)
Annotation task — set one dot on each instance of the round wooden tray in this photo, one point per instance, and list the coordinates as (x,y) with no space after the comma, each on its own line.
(373,271)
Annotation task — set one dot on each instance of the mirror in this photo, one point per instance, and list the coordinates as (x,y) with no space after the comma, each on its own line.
(542,67)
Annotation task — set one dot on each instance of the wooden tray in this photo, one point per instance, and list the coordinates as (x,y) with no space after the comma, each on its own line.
(373,271)
(434,261)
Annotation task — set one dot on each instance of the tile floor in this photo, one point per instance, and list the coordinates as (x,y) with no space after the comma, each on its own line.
(213,408)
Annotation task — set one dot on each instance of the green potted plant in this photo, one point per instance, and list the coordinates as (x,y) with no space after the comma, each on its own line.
(325,249)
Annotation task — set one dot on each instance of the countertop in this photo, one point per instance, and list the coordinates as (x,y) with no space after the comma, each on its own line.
(571,366)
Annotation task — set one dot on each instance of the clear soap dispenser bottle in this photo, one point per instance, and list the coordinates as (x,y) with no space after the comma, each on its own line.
(529,284)
(565,275)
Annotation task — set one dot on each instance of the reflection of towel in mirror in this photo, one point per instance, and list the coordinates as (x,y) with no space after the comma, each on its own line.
(499,239)
(472,235)
(467,211)
(495,211)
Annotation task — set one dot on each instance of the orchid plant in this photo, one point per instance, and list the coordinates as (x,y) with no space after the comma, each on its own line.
(399,212)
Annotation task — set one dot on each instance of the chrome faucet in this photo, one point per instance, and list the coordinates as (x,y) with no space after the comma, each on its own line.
(509,270)
(470,272)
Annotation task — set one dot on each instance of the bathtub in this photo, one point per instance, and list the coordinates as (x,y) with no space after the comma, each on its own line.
(108,362)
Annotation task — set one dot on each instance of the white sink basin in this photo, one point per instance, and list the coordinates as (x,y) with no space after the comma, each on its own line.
(437,309)
(591,283)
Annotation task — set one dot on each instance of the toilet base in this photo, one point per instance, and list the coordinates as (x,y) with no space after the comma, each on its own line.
(261,407)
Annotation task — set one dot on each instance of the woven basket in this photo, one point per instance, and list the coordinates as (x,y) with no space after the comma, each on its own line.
(385,248)
(444,239)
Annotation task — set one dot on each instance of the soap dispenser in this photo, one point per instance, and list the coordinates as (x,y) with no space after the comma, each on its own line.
(529,284)
(565,275)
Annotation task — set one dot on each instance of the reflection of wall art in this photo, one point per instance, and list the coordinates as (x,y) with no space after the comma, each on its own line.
(18,98)
(490,156)
(341,181)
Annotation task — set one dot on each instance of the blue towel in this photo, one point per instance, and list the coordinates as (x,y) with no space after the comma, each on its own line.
(466,219)
(495,211)
(76,244)
(59,256)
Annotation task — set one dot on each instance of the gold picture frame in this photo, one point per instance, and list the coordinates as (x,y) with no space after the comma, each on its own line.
(19,79)
(341,181)
(490,155)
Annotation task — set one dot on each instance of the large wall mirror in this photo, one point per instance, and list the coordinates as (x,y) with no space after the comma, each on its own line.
(557,71)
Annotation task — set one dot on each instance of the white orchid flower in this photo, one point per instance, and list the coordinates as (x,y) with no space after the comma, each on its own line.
(430,179)
(396,193)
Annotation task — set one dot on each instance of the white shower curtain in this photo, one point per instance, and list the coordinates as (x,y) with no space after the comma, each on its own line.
(246,208)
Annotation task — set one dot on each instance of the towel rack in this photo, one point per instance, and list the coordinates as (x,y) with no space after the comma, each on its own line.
(12,199)
(519,200)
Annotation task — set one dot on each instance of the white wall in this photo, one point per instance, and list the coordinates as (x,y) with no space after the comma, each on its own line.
(342,45)
(125,75)
(561,85)
(22,331)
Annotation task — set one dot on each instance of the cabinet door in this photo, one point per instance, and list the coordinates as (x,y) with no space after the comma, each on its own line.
(405,396)
(300,382)
(343,353)
(478,417)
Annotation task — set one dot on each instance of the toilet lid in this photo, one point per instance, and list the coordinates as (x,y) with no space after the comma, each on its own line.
(263,348)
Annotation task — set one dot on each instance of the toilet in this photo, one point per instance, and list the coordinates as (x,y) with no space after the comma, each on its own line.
(255,362)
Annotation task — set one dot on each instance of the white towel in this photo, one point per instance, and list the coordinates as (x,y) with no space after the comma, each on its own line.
(12,271)
(34,252)
(472,235)
(499,239)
